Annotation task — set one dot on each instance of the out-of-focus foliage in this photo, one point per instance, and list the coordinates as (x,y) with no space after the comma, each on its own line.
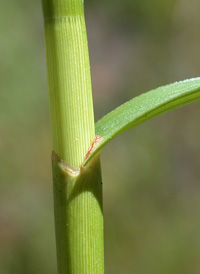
(151,180)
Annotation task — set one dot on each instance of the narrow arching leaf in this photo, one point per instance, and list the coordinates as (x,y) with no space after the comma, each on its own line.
(143,108)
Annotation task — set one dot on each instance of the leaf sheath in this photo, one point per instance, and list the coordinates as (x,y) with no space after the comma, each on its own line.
(79,225)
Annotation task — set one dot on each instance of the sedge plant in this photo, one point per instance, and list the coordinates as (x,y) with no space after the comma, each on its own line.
(77,141)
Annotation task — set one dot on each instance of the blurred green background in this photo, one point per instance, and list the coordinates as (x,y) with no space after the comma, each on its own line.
(151,174)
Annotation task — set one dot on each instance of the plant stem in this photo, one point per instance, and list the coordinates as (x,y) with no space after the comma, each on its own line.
(78,217)
(77,190)
(70,93)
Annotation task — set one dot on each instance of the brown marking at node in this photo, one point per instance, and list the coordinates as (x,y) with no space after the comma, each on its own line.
(56,157)
(65,166)
(97,140)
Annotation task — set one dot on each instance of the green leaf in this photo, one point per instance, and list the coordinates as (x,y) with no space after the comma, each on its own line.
(143,108)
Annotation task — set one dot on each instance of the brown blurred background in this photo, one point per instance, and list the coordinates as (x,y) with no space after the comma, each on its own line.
(151,174)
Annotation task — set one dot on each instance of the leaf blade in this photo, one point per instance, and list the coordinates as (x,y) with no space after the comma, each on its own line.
(145,107)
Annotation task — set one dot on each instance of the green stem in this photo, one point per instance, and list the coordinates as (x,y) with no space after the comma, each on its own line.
(77,190)
(79,225)
(70,92)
